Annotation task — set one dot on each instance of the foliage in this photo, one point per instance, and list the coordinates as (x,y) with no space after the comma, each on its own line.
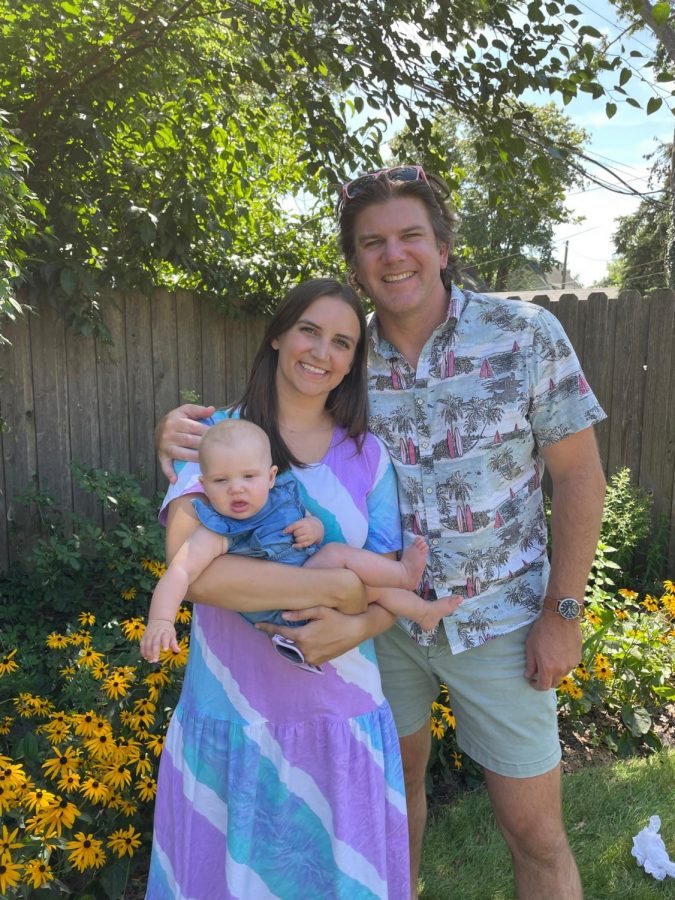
(19,210)
(82,723)
(166,140)
(76,564)
(641,238)
(625,679)
(508,210)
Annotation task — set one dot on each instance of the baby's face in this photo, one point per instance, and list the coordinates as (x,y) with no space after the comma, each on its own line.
(237,480)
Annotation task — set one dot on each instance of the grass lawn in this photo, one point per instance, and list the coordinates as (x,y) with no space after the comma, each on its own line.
(466,859)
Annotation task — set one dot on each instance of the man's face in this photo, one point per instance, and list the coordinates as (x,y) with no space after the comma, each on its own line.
(398,261)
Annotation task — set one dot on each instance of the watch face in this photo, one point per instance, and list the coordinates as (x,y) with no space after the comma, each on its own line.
(569,608)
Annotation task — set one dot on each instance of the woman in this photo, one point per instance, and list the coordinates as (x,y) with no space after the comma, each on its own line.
(275,782)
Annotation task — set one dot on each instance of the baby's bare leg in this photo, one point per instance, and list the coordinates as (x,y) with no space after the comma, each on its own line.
(373,569)
(427,613)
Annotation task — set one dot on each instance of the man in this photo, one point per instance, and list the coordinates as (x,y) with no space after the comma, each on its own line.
(473,395)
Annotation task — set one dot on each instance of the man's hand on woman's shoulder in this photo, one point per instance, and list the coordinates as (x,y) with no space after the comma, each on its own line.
(178,434)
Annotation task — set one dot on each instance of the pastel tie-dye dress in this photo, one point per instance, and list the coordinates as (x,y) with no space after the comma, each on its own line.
(276,782)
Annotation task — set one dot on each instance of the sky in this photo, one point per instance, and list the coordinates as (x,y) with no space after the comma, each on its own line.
(620,143)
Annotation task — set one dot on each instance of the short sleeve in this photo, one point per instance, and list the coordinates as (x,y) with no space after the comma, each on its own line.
(384,519)
(561,401)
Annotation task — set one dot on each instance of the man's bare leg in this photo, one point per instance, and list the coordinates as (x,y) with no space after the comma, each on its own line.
(415,750)
(529,814)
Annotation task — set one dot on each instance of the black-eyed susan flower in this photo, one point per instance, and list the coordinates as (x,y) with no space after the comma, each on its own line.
(669,586)
(575,692)
(143,764)
(89,657)
(175,660)
(55,641)
(85,723)
(592,617)
(37,798)
(124,841)
(86,618)
(81,638)
(95,790)
(85,851)
(7,663)
(566,684)
(603,671)
(184,615)
(10,872)
(582,672)
(115,686)
(6,723)
(8,841)
(12,774)
(456,759)
(37,872)
(620,614)
(60,813)
(437,728)
(117,777)
(627,594)
(651,604)
(129,594)
(100,745)
(146,788)
(69,782)
(8,798)
(61,763)
(133,628)
(156,744)
(157,679)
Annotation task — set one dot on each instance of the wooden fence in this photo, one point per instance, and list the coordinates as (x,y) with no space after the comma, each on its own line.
(64,397)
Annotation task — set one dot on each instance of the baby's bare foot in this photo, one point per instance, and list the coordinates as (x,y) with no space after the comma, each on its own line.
(437,610)
(414,559)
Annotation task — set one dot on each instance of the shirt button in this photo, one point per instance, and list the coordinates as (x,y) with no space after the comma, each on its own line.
(434,543)
(425,445)
(429,490)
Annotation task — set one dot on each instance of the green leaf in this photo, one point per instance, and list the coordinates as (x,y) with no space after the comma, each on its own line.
(653,104)
(661,13)
(636,719)
(610,109)
(113,879)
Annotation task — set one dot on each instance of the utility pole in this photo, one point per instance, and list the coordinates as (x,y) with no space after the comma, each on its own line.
(564,271)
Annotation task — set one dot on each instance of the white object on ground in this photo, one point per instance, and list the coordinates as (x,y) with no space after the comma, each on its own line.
(650,851)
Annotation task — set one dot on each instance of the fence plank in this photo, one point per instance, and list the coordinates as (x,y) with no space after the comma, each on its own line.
(214,351)
(19,450)
(236,362)
(113,390)
(628,381)
(598,361)
(83,417)
(141,392)
(48,349)
(658,428)
(189,343)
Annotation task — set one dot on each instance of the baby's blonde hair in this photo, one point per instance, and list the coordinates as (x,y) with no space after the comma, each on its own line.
(232,433)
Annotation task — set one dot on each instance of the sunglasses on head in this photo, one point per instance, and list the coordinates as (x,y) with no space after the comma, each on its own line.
(398,173)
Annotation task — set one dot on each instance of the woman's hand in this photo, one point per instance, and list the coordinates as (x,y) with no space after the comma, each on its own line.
(329,633)
(178,435)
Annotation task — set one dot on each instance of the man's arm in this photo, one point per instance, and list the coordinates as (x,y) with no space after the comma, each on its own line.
(178,434)
(554,645)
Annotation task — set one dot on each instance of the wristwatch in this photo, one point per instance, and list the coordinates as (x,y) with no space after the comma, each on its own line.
(568,608)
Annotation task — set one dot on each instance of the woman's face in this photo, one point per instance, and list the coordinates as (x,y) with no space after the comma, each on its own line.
(317,351)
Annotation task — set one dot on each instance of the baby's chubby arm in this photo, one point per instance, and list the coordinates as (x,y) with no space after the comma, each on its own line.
(306,531)
(193,556)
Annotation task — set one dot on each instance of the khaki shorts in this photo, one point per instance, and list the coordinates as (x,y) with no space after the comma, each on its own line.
(503,723)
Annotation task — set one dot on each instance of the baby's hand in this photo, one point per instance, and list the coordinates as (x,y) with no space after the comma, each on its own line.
(159,634)
(305,532)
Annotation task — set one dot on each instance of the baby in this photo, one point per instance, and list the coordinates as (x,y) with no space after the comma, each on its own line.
(253,512)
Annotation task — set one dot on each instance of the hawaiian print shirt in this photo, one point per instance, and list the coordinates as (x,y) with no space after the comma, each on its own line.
(496,382)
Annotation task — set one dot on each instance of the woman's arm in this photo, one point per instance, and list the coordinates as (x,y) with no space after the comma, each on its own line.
(253,585)
(329,633)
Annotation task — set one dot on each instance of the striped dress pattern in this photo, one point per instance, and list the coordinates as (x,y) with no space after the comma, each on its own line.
(275,782)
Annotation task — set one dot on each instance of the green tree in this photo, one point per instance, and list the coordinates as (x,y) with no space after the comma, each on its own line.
(508,206)
(166,139)
(642,238)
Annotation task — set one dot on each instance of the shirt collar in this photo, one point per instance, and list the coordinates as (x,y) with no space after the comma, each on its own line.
(455,309)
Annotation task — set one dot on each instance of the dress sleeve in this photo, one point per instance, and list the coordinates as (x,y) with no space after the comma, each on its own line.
(384,519)
(561,401)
